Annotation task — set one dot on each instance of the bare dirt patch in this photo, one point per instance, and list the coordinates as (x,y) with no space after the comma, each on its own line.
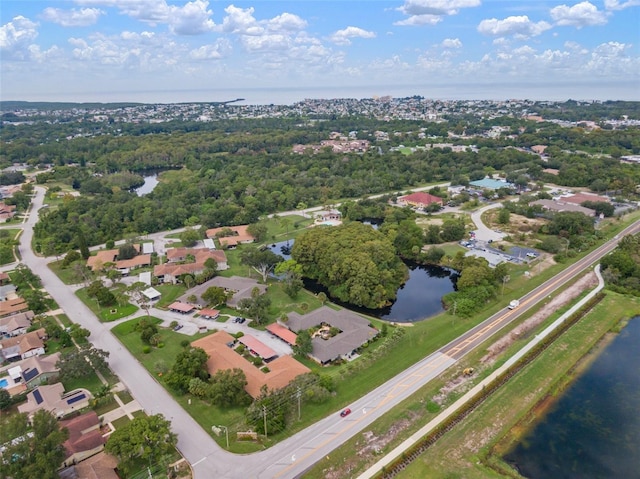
(565,297)
(429,221)
(517,223)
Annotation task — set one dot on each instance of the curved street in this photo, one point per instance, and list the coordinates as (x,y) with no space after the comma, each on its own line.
(293,456)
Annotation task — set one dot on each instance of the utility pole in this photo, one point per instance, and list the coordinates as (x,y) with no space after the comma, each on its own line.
(264,413)
(299,394)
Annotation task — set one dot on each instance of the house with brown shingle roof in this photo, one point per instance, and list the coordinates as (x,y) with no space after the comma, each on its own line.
(282,370)
(170,271)
(85,437)
(239,236)
(16,324)
(580,198)
(37,370)
(52,398)
(6,211)
(97,262)
(13,306)
(23,346)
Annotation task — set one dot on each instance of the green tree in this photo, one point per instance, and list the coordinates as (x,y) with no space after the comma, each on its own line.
(127,251)
(189,237)
(190,363)
(303,345)
(504,216)
(263,261)
(5,399)
(39,450)
(356,263)
(73,364)
(227,388)
(214,295)
(145,438)
(453,230)
(258,231)
(291,273)
(256,307)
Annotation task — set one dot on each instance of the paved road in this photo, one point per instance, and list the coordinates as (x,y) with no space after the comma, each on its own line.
(483,232)
(291,457)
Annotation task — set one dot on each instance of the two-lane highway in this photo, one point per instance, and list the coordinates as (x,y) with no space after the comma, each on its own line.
(293,456)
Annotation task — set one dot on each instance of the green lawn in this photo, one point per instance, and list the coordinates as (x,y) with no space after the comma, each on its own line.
(107,406)
(170,292)
(89,381)
(67,275)
(110,313)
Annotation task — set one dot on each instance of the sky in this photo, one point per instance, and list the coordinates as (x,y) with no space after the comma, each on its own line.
(270,51)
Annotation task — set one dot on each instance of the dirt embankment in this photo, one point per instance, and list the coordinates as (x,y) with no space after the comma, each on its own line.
(588,281)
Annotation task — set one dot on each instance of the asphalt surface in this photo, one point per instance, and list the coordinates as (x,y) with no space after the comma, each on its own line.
(291,457)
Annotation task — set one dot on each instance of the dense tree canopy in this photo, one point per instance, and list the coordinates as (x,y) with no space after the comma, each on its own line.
(38,452)
(356,263)
(147,438)
(621,268)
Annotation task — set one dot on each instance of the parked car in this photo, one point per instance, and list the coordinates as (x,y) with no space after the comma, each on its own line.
(178,327)
(345,412)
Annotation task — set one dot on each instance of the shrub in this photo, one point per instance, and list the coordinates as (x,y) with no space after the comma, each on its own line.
(146,349)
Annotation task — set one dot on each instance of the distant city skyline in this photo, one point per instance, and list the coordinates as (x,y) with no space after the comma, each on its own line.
(160,51)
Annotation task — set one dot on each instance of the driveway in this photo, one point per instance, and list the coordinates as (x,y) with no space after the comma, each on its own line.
(484,233)
(192,325)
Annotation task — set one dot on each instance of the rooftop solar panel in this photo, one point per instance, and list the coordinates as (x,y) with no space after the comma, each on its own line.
(77,398)
(29,374)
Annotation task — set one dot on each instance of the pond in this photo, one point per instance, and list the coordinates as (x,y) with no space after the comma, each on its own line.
(150,182)
(419,298)
(594,429)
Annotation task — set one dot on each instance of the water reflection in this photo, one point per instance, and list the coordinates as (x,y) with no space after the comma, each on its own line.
(594,429)
(419,298)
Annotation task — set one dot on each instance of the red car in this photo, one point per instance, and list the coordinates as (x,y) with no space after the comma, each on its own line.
(345,412)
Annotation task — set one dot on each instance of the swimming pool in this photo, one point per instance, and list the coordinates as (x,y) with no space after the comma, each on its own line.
(3,383)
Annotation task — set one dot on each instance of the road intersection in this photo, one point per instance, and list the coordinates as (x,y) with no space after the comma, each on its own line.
(293,456)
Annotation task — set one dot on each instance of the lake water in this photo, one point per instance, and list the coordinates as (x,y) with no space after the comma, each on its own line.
(594,429)
(150,182)
(419,298)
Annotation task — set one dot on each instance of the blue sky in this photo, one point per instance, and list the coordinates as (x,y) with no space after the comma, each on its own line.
(171,51)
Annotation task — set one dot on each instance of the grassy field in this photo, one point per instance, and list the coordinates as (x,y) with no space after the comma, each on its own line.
(488,432)
(110,313)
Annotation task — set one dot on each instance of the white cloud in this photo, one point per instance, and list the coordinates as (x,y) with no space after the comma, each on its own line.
(72,18)
(191,19)
(616,5)
(343,37)
(16,37)
(580,15)
(419,20)
(436,7)
(451,43)
(430,12)
(210,52)
(240,21)
(286,22)
(257,43)
(520,26)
